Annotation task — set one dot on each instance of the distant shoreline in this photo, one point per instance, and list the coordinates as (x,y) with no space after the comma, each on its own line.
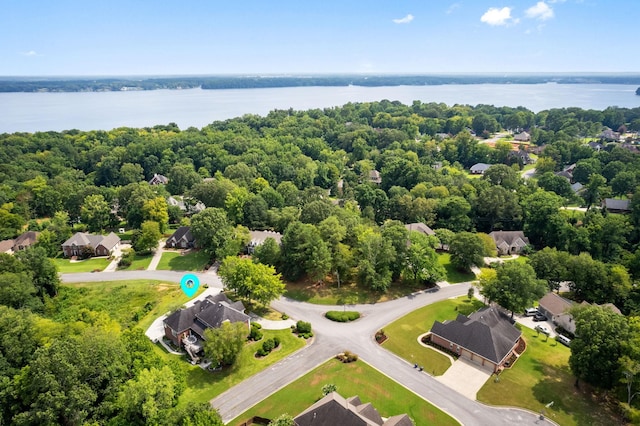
(114,84)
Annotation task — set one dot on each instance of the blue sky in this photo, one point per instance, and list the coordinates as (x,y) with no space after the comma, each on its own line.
(161,37)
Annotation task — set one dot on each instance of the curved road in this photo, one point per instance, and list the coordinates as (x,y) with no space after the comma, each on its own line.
(332,338)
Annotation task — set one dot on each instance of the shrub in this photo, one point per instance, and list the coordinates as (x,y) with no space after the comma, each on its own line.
(255,333)
(347,357)
(285,316)
(303,329)
(342,316)
(268,345)
(276,341)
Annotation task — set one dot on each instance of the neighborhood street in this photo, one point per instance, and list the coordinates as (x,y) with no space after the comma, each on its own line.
(332,338)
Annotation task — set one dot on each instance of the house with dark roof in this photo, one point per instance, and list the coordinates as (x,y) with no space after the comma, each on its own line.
(82,243)
(556,309)
(25,240)
(487,337)
(187,326)
(509,242)
(258,238)
(520,156)
(614,205)
(334,410)
(479,168)
(181,238)
(158,180)
(609,135)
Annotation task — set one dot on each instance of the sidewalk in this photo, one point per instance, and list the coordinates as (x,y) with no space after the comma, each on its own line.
(157,255)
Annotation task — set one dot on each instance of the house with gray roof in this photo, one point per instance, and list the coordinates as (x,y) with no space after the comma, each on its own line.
(420,227)
(509,242)
(259,237)
(556,308)
(190,323)
(82,243)
(614,205)
(25,240)
(335,410)
(6,246)
(479,168)
(522,137)
(158,180)
(181,238)
(375,177)
(487,337)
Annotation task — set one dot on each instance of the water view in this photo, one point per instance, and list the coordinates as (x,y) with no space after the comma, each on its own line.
(31,112)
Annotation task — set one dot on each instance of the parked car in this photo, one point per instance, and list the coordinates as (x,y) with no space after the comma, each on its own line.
(530,312)
(564,340)
(539,317)
(542,329)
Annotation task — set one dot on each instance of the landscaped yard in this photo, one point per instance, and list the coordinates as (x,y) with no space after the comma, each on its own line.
(403,333)
(453,274)
(175,261)
(356,378)
(140,262)
(542,376)
(66,266)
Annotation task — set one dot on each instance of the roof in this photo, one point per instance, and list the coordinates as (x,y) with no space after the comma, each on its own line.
(110,241)
(610,306)
(554,304)
(26,239)
(82,239)
(208,313)
(617,204)
(374,176)
(510,238)
(480,167)
(420,227)
(334,410)
(5,245)
(487,332)
(577,187)
(156,179)
(182,232)
(524,136)
(259,237)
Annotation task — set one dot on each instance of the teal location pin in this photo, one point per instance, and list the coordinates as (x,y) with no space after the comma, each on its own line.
(190,284)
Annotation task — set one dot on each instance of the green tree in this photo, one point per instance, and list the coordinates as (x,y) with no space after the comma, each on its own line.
(503,175)
(156,210)
(95,212)
(304,252)
(550,265)
(590,279)
(181,178)
(421,259)
(466,250)
(541,217)
(600,342)
(251,280)
(374,260)
(453,214)
(211,229)
(42,270)
(223,344)
(146,239)
(147,398)
(268,253)
(515,286)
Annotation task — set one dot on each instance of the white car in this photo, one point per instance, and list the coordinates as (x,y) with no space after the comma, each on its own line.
(542,329)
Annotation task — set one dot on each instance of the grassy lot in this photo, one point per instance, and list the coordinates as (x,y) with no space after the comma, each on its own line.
(356,378)
(65,266)
(403,333)
(129,303)
(140,262)
(542,375)
(453,274)
(174,261)
(347,294)
(204,385)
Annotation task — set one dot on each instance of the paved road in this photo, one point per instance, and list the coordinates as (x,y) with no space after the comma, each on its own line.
(332,338)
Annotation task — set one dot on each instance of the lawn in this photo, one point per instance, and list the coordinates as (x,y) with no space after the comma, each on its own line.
(129,303)
(357,378)
(347,294)
(204,385)
(65,266)
(541,376)
(403,333)
(175,261)
(453,274)
(140,262)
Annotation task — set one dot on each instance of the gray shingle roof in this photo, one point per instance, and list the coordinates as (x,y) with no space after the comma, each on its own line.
(180,233)
(510,238)
(83,239)
(479,167)
(616,204)
(486,332)
(420,227)
(555,304)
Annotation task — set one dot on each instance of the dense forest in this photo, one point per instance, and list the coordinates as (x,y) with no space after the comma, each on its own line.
(339,183)
(103,84)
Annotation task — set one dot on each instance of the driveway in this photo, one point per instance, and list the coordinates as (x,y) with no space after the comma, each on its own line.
(465,377)
(157,255)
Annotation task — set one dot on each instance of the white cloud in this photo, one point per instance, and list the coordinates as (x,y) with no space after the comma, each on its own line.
(452,8)
(495,16)
(29,53)
(404,20)
(540,11)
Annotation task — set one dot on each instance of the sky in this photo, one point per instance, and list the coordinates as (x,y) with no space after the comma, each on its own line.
(209,37)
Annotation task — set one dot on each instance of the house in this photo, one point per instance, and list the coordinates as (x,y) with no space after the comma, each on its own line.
(420,227)
(158,180)
(188,205)
(556,309)
(333,410)
(614,205)
(521,156)
(188,325)
(609,135)
(487,337)
(509,242)
(522,137)
(596,146)
(181,238)
(6,246)
(82,243)
(375,177)
(25,240)
(577,187)
(259,237)
(609,306)
(479,169)
(567,172)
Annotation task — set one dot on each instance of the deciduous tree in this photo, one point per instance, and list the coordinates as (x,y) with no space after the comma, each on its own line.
(223,344)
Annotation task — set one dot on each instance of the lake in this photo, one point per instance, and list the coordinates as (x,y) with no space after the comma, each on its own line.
(31,112)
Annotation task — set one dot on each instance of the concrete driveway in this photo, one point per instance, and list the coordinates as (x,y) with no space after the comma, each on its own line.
(465,377)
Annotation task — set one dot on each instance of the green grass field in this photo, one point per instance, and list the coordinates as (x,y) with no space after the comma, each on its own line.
(542,375)
(140,262)
(356,378)
(174,261)
(65,266)
(349,294)
(403,333)
(453,274)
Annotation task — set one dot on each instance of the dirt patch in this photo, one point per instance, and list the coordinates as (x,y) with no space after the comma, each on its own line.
(164,287)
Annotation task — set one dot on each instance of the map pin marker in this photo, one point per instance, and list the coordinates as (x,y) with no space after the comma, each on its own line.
(190,284)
